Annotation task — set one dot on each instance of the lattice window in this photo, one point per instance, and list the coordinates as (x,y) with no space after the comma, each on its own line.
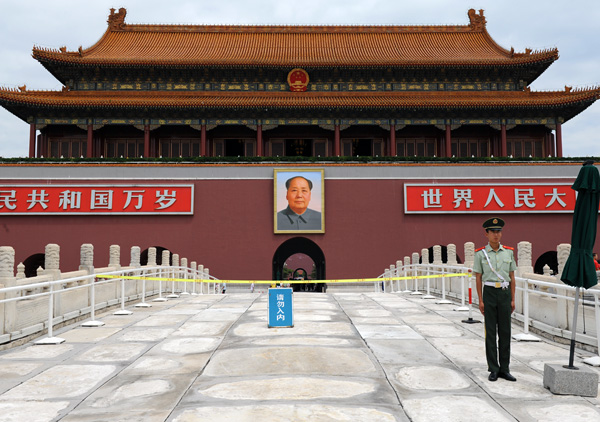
(180,147)
(123,147)
(471,147)
(67,147)
(420,147)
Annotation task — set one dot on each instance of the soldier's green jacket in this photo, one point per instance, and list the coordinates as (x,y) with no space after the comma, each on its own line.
(503,261)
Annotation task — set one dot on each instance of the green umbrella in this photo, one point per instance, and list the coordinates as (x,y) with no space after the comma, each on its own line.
(580,270)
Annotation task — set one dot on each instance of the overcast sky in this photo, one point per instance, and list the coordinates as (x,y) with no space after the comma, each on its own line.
(571,26)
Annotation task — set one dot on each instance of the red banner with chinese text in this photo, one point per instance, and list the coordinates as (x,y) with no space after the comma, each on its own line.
(488,198)
(96,199)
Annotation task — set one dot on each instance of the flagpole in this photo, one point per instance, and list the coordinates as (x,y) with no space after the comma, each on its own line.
(574,332)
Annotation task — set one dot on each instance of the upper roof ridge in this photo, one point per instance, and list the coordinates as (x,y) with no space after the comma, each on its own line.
(116,22)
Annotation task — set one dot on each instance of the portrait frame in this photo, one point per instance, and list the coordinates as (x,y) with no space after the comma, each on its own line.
(316,204)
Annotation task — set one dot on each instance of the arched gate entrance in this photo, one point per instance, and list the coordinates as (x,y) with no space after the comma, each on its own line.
(299,245)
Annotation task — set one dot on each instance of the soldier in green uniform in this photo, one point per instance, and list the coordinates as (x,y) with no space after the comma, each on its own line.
(494,268)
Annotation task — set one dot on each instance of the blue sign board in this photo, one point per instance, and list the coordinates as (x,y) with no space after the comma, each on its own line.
(280,308)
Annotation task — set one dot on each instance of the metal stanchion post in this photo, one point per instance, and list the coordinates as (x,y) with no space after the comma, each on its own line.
(93,322)
(143,303)
(51,339)
(123,311)
(160,298)
(470,320)
(462,307)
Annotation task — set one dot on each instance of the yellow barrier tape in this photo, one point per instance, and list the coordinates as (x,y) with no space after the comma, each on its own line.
(333,281)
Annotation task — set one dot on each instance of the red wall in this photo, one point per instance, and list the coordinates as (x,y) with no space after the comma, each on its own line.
(231,231)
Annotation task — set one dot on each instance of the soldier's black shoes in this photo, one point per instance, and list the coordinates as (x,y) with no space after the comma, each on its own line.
(506,375)
(493,376)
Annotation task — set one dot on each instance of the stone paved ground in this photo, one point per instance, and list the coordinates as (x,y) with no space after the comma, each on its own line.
(349,357)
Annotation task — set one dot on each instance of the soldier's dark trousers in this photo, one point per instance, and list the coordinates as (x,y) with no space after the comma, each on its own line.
(497,312)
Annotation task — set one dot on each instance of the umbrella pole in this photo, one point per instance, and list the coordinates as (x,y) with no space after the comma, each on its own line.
(574,332)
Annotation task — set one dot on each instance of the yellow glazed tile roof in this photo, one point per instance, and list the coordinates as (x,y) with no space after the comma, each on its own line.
(298,46)
(303,100)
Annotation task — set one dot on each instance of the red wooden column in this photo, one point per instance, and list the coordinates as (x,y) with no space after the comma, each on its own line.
(448,141)
(503,148)
(203,140)
(393,140)
(559,152)
(32,131)
(259,141)
(90,141)
(336,141)
(146,141)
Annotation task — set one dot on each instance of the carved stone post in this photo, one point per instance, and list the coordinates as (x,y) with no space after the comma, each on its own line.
(184,274)
(523,266)
(398,274)
(451,251)
(207,278)
(469,254)
(52,261)
(425,256)
(115,257)
(563,251)
(524,258)
(152,256)
(8,311)
(175,273)
(392,273)
(437,255)
(86,262)
(200,275)
(135,257)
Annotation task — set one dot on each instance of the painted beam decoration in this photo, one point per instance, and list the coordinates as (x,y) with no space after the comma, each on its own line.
(96,199)
(488,198)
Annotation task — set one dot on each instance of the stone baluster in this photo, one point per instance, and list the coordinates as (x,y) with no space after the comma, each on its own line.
(20,271)
(8,311)
(451,251)
(563,251)
(207,278)
(203,289)
(406,272)
(52,262)
(21,276)
(185,274)
(135,257)
(152,257)
(86,263)
(437,255)
(398,274)
(115,257)
(392,273)
(175,273)
(415,261)
(524,264)
(469,254)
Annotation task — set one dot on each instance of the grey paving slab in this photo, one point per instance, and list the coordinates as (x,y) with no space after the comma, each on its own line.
(349,357)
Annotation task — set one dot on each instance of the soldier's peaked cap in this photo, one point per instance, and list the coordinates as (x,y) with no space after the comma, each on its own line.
(493,224)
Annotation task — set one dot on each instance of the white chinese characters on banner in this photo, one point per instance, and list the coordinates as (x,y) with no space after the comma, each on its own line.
(96,199)
(487,198)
